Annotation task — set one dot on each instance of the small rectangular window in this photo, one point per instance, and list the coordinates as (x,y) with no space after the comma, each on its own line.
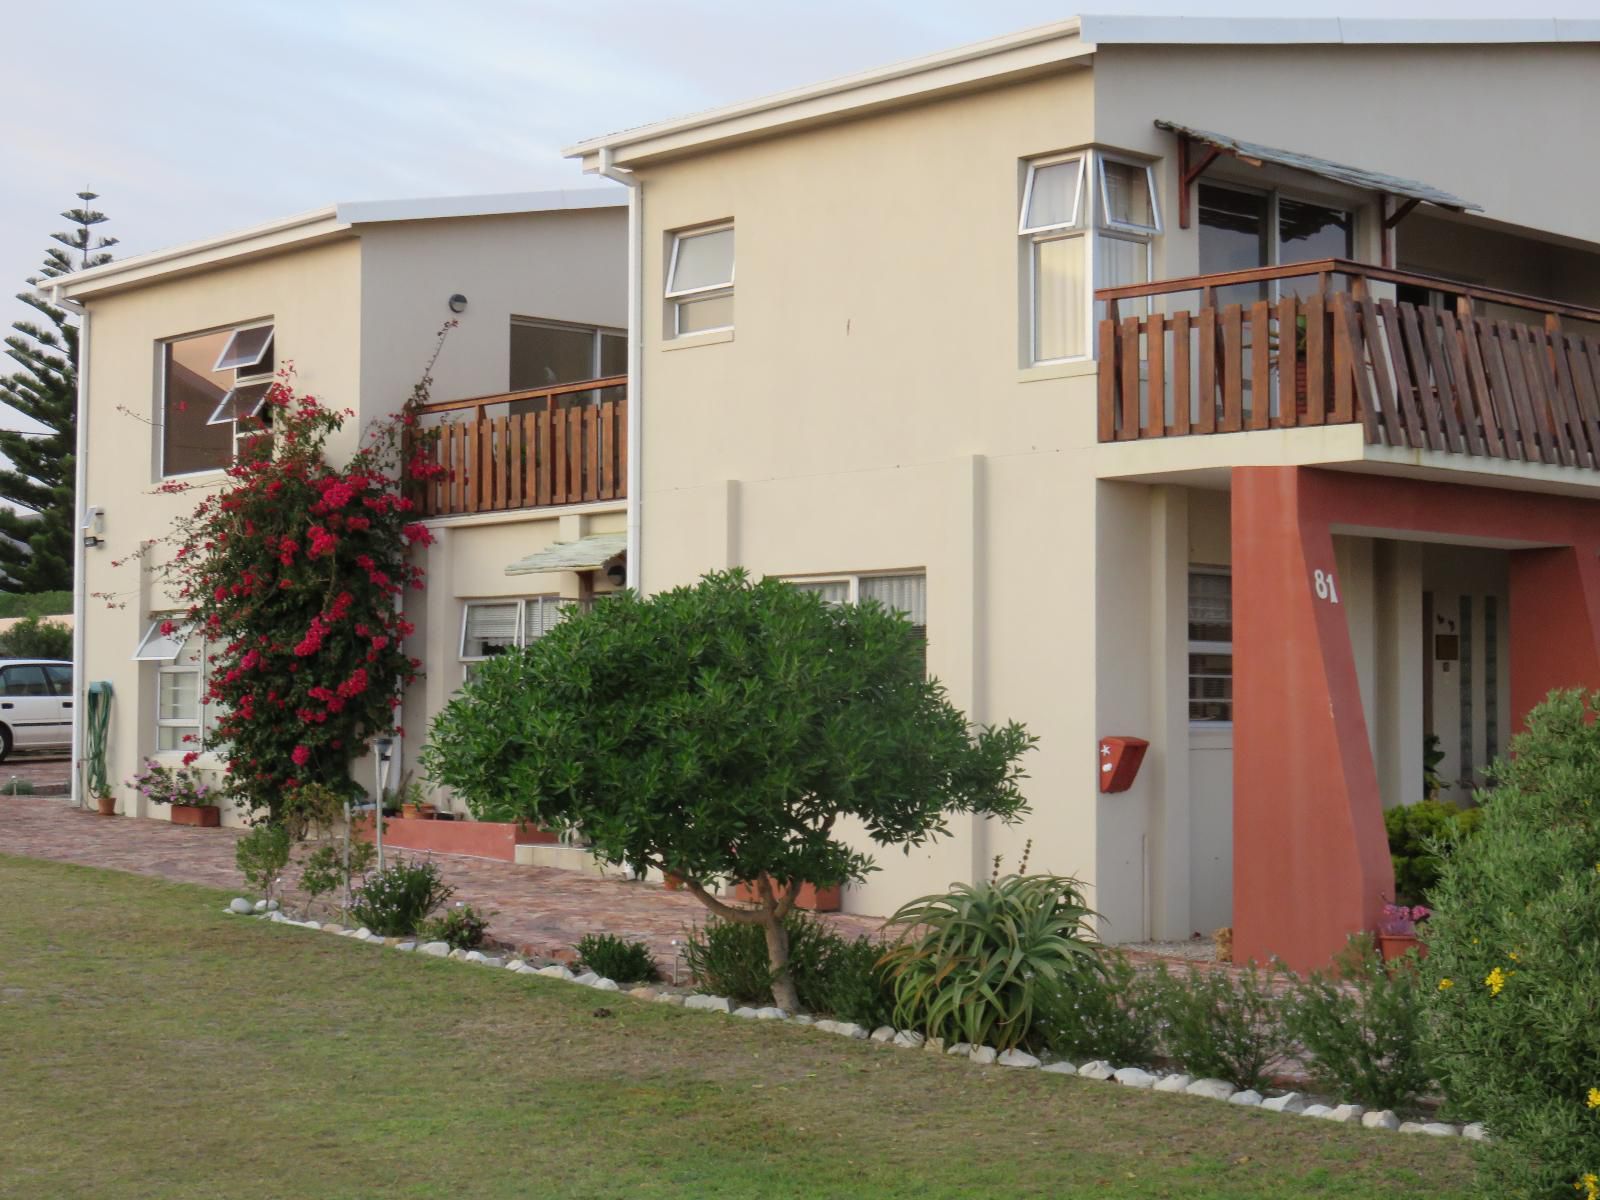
(700,280)
(1210,646)
(1128,196)
(488,629)
(1053,195)
(240,403)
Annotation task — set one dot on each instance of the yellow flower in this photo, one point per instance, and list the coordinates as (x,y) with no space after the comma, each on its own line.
(1446,984)
(1594,1098)
(1494,981)
(1589,1185)
(1512,955)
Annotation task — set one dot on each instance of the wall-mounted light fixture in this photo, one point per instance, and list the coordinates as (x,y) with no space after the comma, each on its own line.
(94,526)
(458,303)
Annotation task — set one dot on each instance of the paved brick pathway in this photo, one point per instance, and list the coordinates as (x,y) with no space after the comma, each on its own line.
(48,773)
(539,910)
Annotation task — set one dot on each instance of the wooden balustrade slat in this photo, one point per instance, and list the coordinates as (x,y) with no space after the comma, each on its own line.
(1400,378)
(574,420)
(1181,374)
(1498,427)
(591,480)
(1316,321)
(1371,346)
(1232,369)
(622,449)
(1108,380)
(1155,340)
(1513,404)
(1261,365)
(1289,351)
(1206,386)
(1585,388)
(1565,393)
(1128,360)
(1529,405)
(1423,381)
(1444,340)
(558,480)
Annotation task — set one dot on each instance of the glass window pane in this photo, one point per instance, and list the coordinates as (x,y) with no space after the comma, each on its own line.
(1053,195)
(713,312)
(193,390)
(240,403)
(546,355)
(1127,194)
(248,351)
(1234,236)
(171,737)
(832,591)
(906,594)
(178,696)
(1308,231)
(1120,261)
(490,629)
(544,614)
(24,681)
(1210,607)
(1060,293)
(613,354)
(60,679)
(1210,687)
(704,260)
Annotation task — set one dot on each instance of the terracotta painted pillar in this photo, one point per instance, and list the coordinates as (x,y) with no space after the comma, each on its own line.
(1310,857)
(1555,624)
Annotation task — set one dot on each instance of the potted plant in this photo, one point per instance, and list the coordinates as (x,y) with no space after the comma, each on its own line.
(107,803)
(1397,930)
(414,803)
(191,798)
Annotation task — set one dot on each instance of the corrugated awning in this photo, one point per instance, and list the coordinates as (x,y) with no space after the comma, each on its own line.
(585,554)
(1374,181)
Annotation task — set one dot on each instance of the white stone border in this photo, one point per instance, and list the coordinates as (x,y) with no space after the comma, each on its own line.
(1291,1103)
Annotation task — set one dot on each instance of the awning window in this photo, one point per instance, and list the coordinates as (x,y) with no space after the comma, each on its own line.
(240,402)
(248,351)
(156,646)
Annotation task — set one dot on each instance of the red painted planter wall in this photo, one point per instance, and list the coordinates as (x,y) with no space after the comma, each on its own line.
(481,839)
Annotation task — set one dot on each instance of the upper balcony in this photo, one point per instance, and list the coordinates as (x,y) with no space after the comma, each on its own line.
(539,448)
(1419,363)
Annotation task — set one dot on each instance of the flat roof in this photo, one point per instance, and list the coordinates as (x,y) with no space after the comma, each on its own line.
(319,225)
(1059,43)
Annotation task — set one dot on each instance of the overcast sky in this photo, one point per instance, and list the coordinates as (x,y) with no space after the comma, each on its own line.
(194,117)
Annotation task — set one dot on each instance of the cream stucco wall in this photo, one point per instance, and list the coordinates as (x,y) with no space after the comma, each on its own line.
(313,298)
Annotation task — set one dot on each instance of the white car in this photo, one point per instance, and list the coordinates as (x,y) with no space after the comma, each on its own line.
(35,705)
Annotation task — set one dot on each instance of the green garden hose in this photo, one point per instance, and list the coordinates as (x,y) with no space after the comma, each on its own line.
(99,720)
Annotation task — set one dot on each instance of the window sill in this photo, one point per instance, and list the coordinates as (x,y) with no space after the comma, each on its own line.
(710,337)
(1058,370)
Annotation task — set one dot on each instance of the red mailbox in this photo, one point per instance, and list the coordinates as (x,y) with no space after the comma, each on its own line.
(1119,762)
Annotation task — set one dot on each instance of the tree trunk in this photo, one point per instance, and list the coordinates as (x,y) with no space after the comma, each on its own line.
(783,989)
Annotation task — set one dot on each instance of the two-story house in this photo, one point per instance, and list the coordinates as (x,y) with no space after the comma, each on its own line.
(1228,384)
(178,347)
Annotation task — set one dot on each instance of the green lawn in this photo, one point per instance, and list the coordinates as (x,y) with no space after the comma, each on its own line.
(152,1047)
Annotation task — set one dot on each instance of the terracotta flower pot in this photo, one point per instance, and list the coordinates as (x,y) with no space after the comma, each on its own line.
(409,811)
(673,882)
(207,815)
(1396,945)
(107,804)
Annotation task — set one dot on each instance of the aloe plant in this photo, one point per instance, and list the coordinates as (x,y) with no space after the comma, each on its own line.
(972,964)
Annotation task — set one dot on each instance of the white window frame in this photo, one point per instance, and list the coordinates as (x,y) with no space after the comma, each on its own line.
(1091,222)
(170,666)
(676,297)
(522,636)
(853,582)
(1206,647)
(186,727)
(238,381)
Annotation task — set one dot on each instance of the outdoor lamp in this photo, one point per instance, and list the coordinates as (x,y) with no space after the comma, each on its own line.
(458,303)
(383,754)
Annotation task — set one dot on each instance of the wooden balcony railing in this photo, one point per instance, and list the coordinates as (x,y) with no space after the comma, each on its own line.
(545,446)
(1465,380)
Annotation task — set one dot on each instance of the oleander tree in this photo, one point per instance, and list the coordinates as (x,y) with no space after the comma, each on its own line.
(727,732)
(292,572)
(37,481)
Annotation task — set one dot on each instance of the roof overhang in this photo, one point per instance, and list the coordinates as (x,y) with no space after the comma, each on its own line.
(588,553)
(335,222)
(1033,51)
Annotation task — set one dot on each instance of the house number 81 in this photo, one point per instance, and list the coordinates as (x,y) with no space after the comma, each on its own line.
(1326,589)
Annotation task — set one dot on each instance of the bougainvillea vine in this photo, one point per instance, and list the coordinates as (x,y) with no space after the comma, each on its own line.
(294,571)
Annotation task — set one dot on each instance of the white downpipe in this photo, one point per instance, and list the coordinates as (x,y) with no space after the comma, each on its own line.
(629,180)
(80,682)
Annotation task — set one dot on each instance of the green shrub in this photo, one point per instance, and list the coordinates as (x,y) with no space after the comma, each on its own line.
(462,927)
(972,963)
(394,902)
(1109,1015)
(33,638)
(1221,1024)
(324,870)
(730,958)
(617,958)
(35,604)
(855,984)
(1363,1041)
(1512,977)
(16,786)
(261,856)
(1419,835)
